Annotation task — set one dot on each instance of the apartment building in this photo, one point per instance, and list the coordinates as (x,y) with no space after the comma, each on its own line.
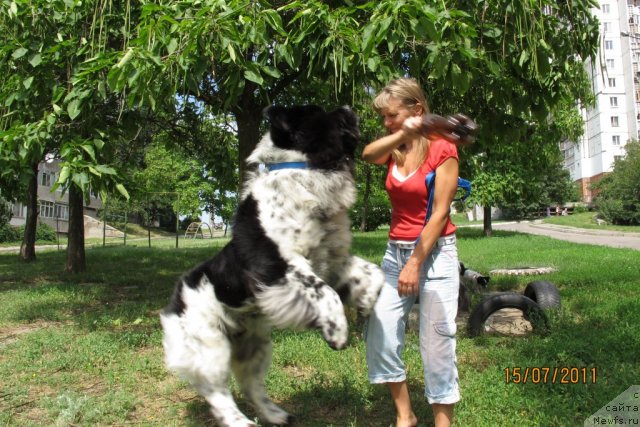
(53,206)
(615,78)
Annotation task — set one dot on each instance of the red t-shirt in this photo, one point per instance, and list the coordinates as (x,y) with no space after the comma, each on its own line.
(409,197)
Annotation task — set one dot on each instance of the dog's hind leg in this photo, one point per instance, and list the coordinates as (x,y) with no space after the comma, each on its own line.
(251,358)
(303,300)
(200,352)
(363,280)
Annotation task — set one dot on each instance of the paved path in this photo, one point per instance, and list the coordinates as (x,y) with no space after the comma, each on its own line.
(615,239)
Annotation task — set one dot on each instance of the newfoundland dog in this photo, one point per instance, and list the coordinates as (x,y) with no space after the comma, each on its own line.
(288,264)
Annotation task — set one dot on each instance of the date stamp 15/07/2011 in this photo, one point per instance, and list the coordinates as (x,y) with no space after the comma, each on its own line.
(550,375)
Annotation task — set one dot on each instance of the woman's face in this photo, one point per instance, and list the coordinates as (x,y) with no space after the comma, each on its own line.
(396,113)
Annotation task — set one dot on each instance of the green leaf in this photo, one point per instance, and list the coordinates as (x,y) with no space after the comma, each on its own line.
(19,53)
(35,60)
(73,109)
(102,90)
(64,174)
(89,149)
(126,58)
(107,170)
(172,46)
(232,52)
(254,77)
(524,56)
(272,71)
(122,191)
(27,82)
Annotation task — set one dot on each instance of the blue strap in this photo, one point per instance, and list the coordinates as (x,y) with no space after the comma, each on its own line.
(286,165)
(430,181)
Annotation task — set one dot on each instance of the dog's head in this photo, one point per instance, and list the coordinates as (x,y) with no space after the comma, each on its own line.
(326,140)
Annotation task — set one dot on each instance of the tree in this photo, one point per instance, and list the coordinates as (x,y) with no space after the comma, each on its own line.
(501,62)
(56,100)
(618,193)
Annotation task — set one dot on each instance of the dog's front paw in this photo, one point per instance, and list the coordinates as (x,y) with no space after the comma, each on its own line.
(369,293)
(335,329)
(274,414)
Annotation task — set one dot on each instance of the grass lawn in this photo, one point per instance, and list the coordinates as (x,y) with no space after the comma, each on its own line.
(86,349)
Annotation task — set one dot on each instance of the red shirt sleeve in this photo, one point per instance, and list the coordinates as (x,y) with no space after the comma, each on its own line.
(439,150)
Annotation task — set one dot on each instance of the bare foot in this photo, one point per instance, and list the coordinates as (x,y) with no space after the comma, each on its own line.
(411,421)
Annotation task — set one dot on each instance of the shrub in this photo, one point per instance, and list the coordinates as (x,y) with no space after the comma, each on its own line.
(9,233)
(45,233)
(5,212)
(379,213)
(618,199)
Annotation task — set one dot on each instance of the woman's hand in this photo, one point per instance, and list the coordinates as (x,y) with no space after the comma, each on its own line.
(412,126)
(409,278)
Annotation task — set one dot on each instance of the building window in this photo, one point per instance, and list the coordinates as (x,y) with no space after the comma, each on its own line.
(613,101)
(608,44)
(62,211)
(46,209)
(606,26)
(614,121)
(19,210)
(46,179)
(615,139)
(610,64)
(612,82)
(617,158)
(606,8)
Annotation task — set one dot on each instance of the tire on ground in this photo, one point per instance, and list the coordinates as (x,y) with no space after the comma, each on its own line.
(530,309)
(544,293)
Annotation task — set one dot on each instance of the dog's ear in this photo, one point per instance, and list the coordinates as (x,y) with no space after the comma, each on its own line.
(285,121)
(349,128)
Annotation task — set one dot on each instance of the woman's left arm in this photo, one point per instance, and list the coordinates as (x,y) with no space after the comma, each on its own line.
(444,191)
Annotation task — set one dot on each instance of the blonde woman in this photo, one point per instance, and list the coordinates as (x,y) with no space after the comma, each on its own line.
(420,259)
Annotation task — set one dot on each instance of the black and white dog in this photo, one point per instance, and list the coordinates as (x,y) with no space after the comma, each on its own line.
(288,264)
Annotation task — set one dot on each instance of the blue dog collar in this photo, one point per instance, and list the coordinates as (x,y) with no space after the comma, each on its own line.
(286,165)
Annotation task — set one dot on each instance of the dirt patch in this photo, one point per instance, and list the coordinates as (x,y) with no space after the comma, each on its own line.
(11,334)
(508,321)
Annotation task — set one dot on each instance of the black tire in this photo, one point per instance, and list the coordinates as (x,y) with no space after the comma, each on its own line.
(530,309)
(544,293)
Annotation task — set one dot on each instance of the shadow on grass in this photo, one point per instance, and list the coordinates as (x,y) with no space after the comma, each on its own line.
(326,405)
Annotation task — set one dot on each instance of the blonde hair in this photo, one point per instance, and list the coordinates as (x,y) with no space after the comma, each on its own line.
(410,95)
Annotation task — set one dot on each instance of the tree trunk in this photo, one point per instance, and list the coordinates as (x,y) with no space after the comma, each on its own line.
(28,246)
(365,197)
(487,221)
(75,247)
(248,121)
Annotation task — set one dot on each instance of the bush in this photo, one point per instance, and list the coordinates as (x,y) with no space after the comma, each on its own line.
(5,212)
(618,199)
(378,214)
(44,233)
(9,233)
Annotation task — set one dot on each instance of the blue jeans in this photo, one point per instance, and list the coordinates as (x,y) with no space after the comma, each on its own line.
(385,329)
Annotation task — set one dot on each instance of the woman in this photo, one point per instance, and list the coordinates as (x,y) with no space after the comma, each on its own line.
(420,259)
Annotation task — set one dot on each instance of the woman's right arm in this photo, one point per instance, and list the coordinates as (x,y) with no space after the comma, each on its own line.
(379,151)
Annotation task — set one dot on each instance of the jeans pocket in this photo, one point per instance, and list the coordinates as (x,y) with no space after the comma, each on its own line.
(443,344)
(446,329)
